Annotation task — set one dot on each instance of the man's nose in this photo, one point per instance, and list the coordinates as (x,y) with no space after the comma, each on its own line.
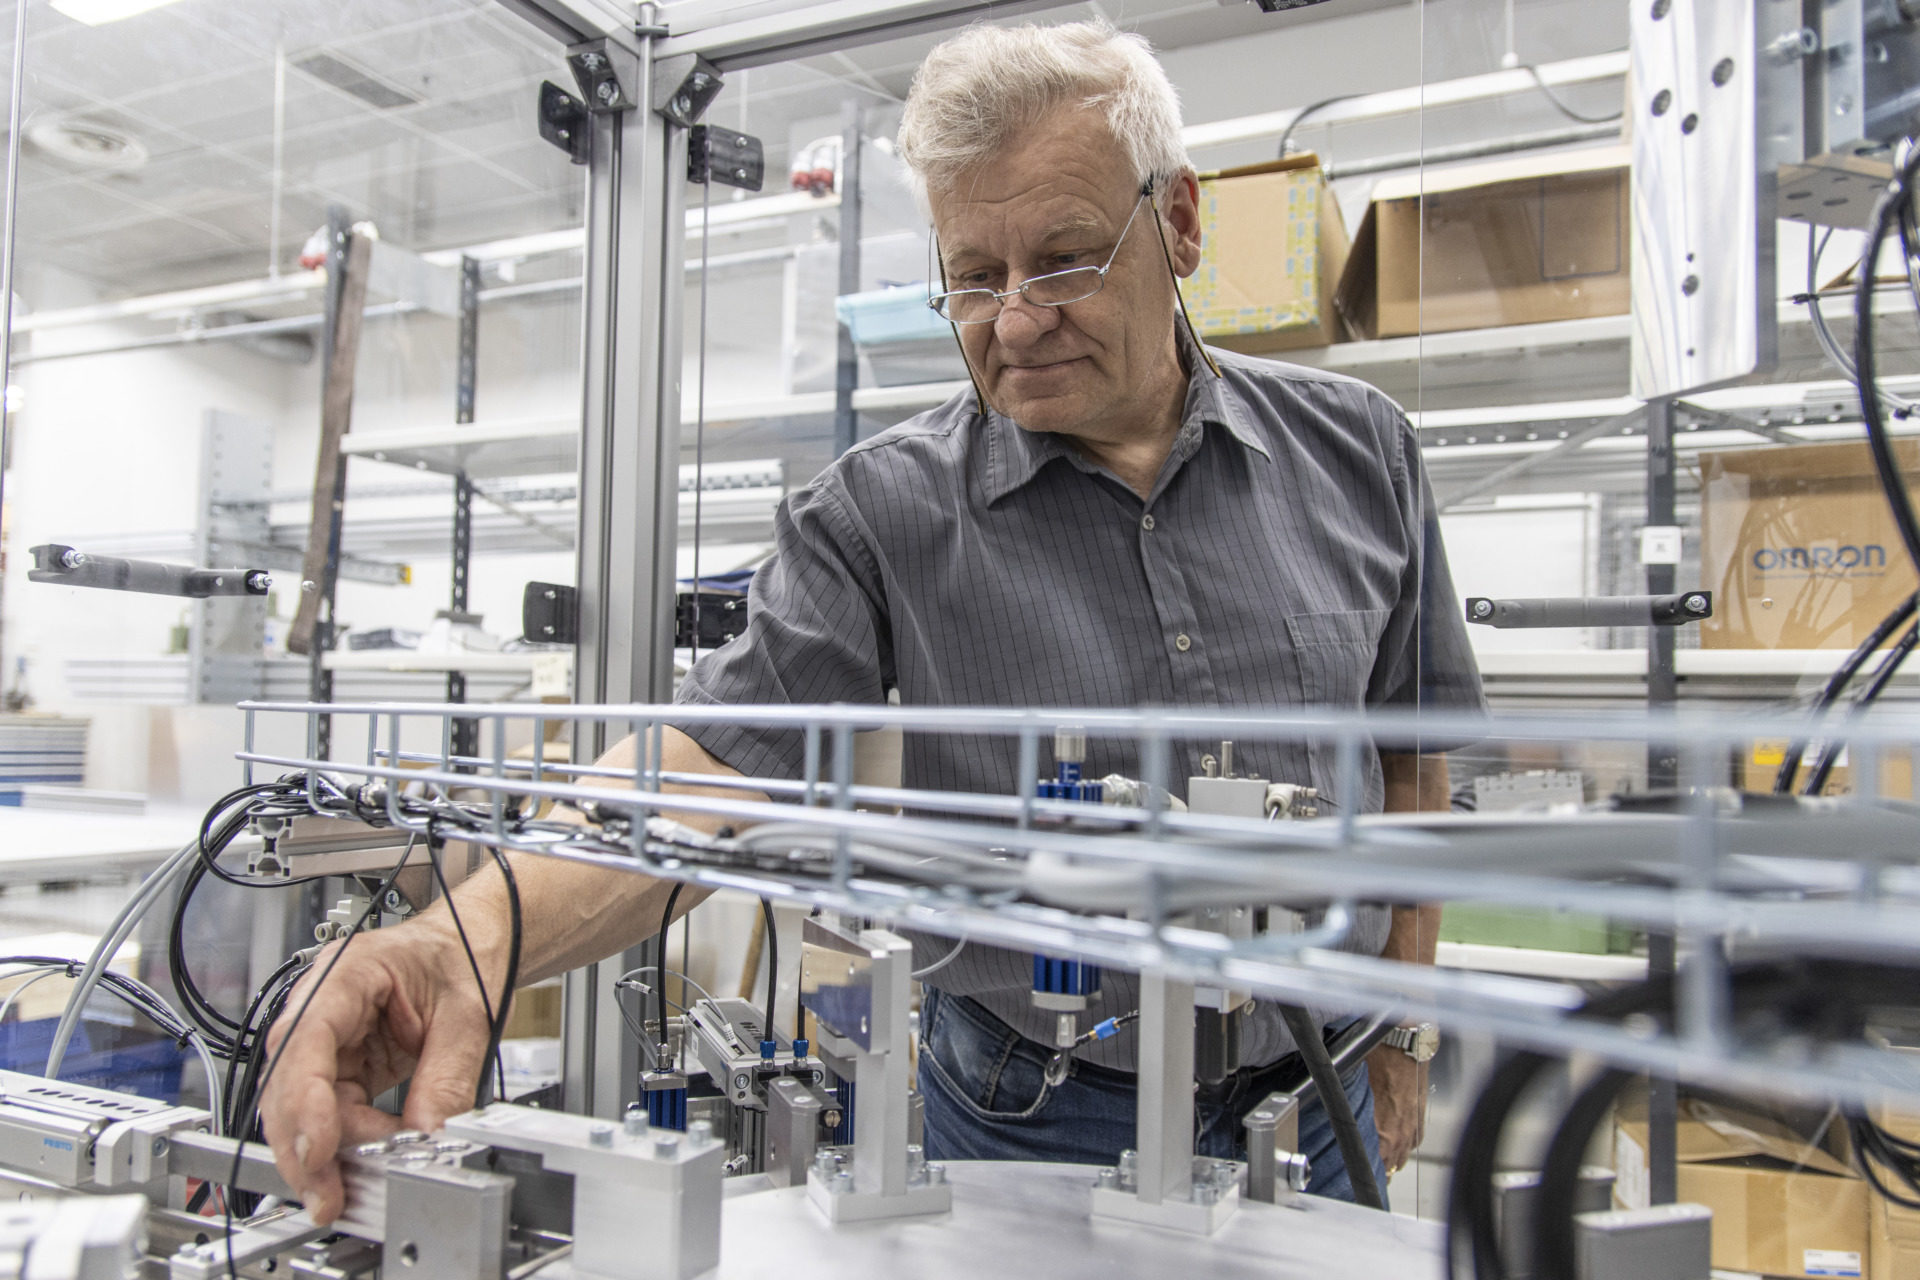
(1022,323)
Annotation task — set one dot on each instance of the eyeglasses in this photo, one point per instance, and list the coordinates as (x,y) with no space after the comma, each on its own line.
(1055,289)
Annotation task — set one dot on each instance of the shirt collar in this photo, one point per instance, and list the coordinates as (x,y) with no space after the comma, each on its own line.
(1015,456)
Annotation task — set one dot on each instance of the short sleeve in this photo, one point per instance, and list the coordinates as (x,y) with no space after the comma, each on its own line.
(815,634)
(1425,660)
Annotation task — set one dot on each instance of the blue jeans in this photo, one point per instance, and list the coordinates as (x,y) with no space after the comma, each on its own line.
(987,1098)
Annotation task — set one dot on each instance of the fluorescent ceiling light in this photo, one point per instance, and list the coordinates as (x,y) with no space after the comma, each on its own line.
(96,12)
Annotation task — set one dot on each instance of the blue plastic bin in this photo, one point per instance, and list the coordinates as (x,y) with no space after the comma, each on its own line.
(896,314)
(102,1056)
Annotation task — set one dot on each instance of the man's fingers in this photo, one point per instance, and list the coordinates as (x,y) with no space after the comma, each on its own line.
(451,1060)
(304,1128)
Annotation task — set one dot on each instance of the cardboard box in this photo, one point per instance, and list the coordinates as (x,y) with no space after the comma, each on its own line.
(1273,245)
(1760,765)
(1506,242)
(1782,1206)
(1894,1253)
(535,1012)
(1798,546)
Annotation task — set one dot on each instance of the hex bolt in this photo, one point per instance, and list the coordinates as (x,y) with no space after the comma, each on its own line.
(636,1120)
(393,900)
(824,1163)
(601,1135)
(259,580)
(72,559)
(1107,1178)
(936,1174)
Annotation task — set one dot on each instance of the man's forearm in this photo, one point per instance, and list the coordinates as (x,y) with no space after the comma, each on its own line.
(1415,784)
(575,913)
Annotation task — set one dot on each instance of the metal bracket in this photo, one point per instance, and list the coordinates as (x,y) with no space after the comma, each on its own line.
(597,70)
(857,986)
(563,122)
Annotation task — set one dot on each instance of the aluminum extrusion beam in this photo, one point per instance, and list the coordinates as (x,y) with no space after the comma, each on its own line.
(804,30)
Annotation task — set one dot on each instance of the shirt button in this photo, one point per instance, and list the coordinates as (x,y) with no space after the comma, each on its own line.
(1146,522)
(1182,643)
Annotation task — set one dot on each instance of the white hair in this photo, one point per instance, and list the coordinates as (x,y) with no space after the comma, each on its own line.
(978,91)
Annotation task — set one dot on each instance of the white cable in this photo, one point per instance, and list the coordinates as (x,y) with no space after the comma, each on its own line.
(45,971)
(110,944)
(919,974)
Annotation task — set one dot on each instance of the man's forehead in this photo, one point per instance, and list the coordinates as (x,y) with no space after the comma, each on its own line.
(1042,215)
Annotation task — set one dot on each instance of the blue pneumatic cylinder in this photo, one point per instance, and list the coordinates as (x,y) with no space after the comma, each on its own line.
(666,1098)
(1065,988)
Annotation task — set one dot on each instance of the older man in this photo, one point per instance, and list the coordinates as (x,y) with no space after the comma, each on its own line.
(1113,516)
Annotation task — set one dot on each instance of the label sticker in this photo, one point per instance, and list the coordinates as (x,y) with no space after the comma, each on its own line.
(1830,1262)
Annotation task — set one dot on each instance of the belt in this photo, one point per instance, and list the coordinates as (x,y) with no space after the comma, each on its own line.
(1283,1074)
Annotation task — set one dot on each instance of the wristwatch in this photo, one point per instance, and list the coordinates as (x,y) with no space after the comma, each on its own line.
(1419,1042)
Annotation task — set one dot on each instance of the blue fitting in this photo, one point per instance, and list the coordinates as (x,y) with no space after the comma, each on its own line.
(1068,784)
(767,1049)
(1058,977)
(1106,1030)
(799,1048)
(667,1108)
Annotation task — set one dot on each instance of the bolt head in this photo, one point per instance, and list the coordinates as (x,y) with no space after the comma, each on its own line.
(666,1146)
(601,1135)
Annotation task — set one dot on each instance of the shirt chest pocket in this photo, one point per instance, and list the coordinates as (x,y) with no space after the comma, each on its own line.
(1334,654)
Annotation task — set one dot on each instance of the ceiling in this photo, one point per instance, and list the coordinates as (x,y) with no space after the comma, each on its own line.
(416,114)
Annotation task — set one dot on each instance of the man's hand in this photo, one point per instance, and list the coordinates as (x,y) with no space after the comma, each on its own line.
(400,1003)
(1399,1103)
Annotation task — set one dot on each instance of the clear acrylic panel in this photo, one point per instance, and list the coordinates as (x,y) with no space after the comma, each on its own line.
(181,163)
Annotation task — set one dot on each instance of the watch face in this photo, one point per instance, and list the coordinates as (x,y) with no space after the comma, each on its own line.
(1426,1042)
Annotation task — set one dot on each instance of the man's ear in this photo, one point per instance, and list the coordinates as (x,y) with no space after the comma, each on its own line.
(1181,209)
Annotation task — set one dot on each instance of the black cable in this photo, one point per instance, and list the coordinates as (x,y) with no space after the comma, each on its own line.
(1882,676)
(660,992)
(516,936)
(1553,1240)
(1546,91)
(773,964)
(1837,684)
(1333,1098)
(1286,135)
(446,894)
(1888,209)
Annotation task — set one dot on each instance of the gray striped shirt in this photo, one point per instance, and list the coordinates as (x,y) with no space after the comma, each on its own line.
(1287,555)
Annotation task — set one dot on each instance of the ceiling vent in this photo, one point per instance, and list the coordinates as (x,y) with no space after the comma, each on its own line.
(85,143)
(364,85)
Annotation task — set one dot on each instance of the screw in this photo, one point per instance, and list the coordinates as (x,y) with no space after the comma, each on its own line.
(841,1183)
(307,586)
(1695,603)
(72,559)
(700,1133)
(1661,101)
(636,1120)
(1689,123)
(1205,1193)
(666,1147)
(936,1175)
(1802,42)
(394,901)
(601,1135)
(741,1082)
(259,580)
(824,1163)
(1483,608)
(1722,72)
(159,1146)
(1690,286)
(1108,1178)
